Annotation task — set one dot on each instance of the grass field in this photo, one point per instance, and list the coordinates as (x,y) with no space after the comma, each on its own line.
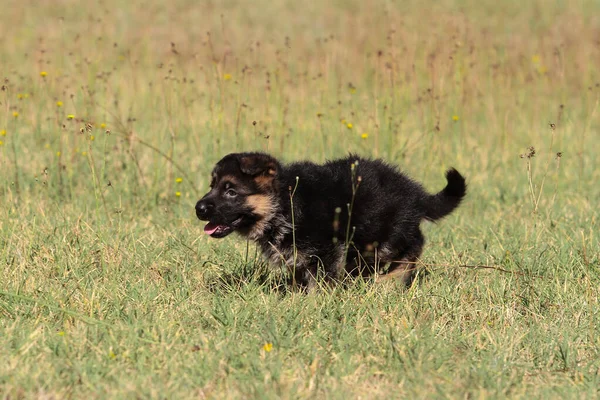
(113,113)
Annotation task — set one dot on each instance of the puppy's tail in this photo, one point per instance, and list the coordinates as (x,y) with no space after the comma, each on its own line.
(443,203)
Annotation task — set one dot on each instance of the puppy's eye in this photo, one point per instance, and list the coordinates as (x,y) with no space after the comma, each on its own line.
(230,193)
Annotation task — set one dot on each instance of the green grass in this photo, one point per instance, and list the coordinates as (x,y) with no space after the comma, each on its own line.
(109,289)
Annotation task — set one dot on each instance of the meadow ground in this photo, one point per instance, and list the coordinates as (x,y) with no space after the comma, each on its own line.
(112,114)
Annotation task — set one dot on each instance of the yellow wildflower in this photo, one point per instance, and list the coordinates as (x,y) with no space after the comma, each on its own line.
(20,96)
(59,103)
(455,118)
(177,194)
(70,116)
(61,333)
(92,137)
(364,135)
(43,74)
(226,77)
(268,347)
(102,125)
(178,180)
(15,114)
(349,125)
(1,143)
(3,132)
(535,58)
(84,153)
(58,154)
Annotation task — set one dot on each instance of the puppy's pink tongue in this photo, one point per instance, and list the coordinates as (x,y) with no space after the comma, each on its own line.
(210,228)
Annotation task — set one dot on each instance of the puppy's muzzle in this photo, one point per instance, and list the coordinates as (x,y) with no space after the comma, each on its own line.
(204,209)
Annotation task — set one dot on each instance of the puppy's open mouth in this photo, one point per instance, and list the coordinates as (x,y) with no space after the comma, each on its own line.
(221,230)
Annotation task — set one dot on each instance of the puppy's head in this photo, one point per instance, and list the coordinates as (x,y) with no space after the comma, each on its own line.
(242,195)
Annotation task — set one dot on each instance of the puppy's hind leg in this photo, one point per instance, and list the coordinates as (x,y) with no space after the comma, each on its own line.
(404,271)
(403,264)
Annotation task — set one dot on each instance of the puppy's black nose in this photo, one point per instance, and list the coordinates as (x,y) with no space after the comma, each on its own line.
(203,209)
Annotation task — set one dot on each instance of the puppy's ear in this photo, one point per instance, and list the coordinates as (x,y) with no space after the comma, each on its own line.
(255,164)
(262,168)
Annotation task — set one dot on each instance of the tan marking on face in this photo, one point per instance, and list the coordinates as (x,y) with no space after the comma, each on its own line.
(264,206)
(261,204)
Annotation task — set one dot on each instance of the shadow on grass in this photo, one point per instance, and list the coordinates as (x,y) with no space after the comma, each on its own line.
(261,276)
(241,277)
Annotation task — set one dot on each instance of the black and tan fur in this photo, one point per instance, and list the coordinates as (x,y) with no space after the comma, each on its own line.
(298,214)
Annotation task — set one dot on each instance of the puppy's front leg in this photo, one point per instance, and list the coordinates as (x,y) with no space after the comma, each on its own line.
(311,277)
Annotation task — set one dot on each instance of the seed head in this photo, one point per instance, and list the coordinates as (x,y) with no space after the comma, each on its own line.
(530,153)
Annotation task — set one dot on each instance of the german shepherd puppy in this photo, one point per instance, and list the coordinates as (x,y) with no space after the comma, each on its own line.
(346,217)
